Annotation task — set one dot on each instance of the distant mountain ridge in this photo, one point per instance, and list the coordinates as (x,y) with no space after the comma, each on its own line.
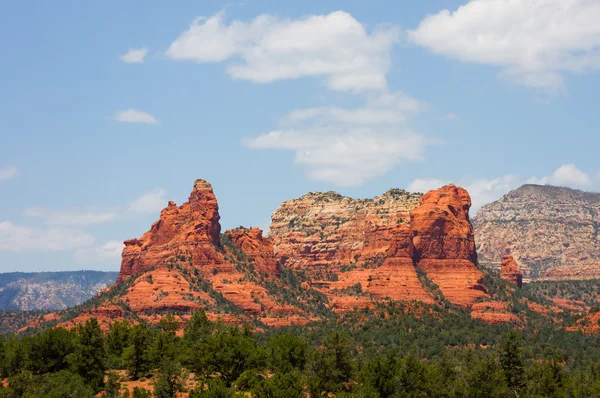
(50,290)
(552,232)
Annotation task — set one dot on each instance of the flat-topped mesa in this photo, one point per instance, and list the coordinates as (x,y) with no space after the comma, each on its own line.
(191,229)
(444,244)
(257,248)
(510,271)
(330,230)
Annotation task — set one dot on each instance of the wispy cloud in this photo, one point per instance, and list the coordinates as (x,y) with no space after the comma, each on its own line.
(134,116)
(134,56)
(71,217)
(335,47)
(149,202)
(108,252)
(8,172)
(17,238)
(349,146)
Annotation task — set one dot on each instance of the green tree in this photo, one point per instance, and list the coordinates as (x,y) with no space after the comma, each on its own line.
(229,352)
(287,352)
(113,386)
(117,338)
(48,351)
(88,360)
(215,388)
(136,355)
(197,329)
(332,366)
(281,385)
(512,361)
(171,379)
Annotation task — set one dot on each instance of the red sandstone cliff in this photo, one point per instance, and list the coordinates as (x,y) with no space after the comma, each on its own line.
(510,271)
(445,244)
(379,244)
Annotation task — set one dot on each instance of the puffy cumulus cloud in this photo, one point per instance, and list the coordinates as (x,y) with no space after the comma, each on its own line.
(533,41)
(149,202)
(8,172)
(108,252)
(566,175)
(349,146)
(334,46)
(70,217)
(17,238)
(134,116)
(134,56)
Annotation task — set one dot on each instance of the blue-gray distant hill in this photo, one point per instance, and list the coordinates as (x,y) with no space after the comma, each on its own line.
(50,290)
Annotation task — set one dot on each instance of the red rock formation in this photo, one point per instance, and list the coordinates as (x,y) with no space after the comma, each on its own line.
(191,229)
(257,248)
(445,244)
(378,243)
(510,271)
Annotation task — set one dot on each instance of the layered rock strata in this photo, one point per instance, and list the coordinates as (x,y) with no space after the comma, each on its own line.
(552,232)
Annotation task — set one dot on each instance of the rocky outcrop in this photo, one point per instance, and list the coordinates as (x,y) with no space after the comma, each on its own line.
(257,248)
(328,231)
(552,232)
(510,271)
(190,230)
(445,244)
(379,244)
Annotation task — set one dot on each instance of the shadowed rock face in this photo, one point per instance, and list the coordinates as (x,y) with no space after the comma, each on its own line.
(510,271)
(552,232)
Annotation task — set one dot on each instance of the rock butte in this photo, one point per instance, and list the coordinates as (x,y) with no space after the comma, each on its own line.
(342,254)
(510,271)
(381,243)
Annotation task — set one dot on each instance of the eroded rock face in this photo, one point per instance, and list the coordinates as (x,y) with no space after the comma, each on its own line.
(552,232)
(380,243)
(191,229)
(328,230)
(445,244)
(510,271)
(257,248)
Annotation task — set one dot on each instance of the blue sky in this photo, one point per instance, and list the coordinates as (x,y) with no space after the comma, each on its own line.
(110,109)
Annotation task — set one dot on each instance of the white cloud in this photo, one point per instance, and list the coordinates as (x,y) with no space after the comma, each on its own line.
(108,252)
(566,175)
(484,190)
(8,172)
(349,146)
(16,238)
(533,41)
(149,202)
(134,116)
(334,46)
(481,190)
(134,56)
(70,217)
